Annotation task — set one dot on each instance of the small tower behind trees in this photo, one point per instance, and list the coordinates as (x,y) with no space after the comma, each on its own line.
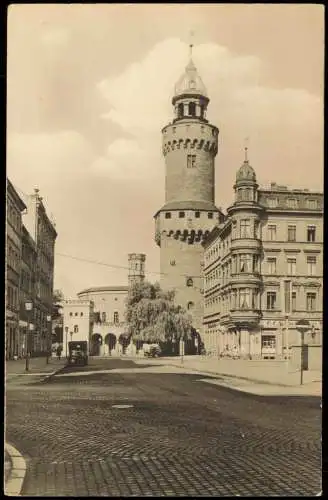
(136,268)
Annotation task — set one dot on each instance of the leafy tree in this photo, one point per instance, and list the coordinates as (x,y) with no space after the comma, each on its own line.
(57,298)
(152,315)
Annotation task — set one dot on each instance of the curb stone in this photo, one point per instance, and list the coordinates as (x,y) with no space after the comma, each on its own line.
(14,483)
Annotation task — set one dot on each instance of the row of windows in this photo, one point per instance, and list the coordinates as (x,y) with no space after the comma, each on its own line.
(189,110)
(246,263)
(182,215)
(102,317)
(13,259)
(246,232)
(291,265)
(26,281)
(311,301)
(12,298)
(13,216)
(243,298)
(291,233)
(293,203)
(246,194)
(241,263)
(246,298)
(76,314)
(219,250)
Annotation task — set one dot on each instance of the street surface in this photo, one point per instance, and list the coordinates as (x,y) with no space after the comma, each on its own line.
(173,436)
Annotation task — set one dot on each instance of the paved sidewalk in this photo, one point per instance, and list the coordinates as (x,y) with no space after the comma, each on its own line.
(211,367)
(36,366)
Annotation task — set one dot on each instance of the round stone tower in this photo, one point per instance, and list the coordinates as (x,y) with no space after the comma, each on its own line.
(189,145)
(136,267)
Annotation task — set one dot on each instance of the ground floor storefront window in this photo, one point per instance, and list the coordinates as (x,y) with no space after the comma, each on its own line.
(268,346)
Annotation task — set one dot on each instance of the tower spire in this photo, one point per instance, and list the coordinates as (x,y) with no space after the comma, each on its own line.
(246,140)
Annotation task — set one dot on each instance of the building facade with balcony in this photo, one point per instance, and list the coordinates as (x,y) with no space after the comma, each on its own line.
(14,228)
(263,271)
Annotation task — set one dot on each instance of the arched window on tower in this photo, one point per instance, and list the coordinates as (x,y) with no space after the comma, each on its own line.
(180,110)
(189,282)
(202,110)
(192,109)
(190,305)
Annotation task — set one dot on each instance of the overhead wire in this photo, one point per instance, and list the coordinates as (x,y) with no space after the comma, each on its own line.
(106,264)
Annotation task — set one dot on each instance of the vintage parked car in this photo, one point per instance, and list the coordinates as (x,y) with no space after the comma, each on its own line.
(152,350)
(78,353)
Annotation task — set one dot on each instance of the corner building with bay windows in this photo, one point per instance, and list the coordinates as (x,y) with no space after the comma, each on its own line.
(263,272)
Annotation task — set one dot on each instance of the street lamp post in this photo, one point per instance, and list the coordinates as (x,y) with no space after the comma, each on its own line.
(28,308)
(182,348)
(302,326)
(49,337)
(66,332)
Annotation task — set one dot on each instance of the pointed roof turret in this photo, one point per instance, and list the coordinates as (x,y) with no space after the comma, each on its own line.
(190,82)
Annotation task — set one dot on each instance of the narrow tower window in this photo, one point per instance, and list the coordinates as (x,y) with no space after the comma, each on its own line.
(192,109)
(180,110)
(191,161)
(181,215)
(189,282)
(197,215)
(167,215)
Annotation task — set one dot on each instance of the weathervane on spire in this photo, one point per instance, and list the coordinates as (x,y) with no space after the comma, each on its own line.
(246,141)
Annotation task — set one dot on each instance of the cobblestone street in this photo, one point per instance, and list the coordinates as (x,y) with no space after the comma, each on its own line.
(173,436)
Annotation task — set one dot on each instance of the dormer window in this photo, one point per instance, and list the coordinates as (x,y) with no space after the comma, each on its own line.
(192,84)
(189,282)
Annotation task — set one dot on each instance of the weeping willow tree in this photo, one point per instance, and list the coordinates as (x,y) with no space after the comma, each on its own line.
(152,315)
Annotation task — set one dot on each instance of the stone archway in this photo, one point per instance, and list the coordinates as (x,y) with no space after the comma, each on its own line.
(96,343)
(110,342)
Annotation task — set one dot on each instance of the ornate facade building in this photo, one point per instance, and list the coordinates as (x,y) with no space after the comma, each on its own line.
(30,242)
(190,144)
(14,233)
(43,232)
(263,269)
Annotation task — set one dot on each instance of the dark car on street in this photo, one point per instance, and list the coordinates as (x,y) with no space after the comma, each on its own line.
(78,353)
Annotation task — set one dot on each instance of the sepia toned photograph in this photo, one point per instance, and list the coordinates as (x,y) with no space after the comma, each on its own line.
(164,250)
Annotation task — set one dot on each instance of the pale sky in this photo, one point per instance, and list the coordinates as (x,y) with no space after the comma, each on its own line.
(90,87)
